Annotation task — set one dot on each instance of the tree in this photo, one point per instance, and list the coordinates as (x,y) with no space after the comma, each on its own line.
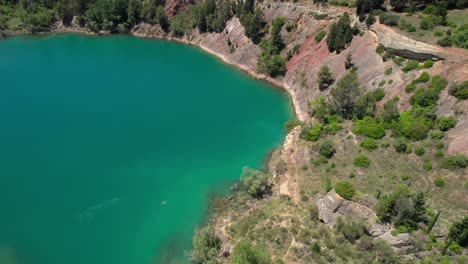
(366,6)
(327,149)
(276,41)
(399,5)
(324,78)
(255,182)
(346,94)
(134,7)
(349,61)
(205,246)
(345,189)
(340,34)
(319,108)
(253,24)
(459,232)
(390,110)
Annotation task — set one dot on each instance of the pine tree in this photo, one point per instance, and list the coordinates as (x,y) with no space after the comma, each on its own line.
(324,78)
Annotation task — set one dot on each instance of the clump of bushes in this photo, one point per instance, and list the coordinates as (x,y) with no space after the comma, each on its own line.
(327,149)
(312,133)
(400,145)
(361,161)
(345,189)
(439,182)
(411,65)
(340,34)
(290,124)
(410,88)
(369,144)
(455,162)
(427,64)
(245,252)
(437,134)
(388,71)
(419,151)
(389,19)
(205,246)
(423,78)
(460,91)
(414,128)
(320,35)
(255,182)
(369,127)
(446,123)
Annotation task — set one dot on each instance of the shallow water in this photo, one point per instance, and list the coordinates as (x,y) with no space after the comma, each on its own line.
(110,146)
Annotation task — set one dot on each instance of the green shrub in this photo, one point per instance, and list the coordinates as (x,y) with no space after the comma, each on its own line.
(400,145)
(320,35)
(438,33)
(324,77)
(445,42)
(316,248)
(419,151)
(361,161)
(455,162)
(345,189)
(439,144)
(205,246)
(290,124)
(332,124)
(439,153)
(369,127)
(385,144)
(404,176)
(437,134)
(427,165)
(388,71)
(439,182)
(446,123)
(411,65)
(273,65)
(389,19)
(245,252)
(380,49)
(437,84)
(312,133)
(327,148)
(255,182)
(410,88)
(414,128)
(423,78)
(427,64)
(459,90)
(455,248)
(327,184)
(369,144)
(378,94)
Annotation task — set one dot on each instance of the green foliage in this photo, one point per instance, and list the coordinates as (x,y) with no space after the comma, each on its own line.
(378,94)
(427,165)
(324,78)
(403,208)
(327,185)
(366,6)
(459,90)
(459,232)
(205,246)
(414,128)
(290,124)
(349,62)
(439,182)
(273,65)
(369,144)
(320,35)
(332,124)
(253,23)
(404,176)
(411,65)
(319,108)
(361,161)
(446,122)
(107,15)
(380,49)
(316,248)
(270,61)
(423,78)
(340,34)
(255,182)
(419,151)
(390,110)
(244,252)
(388,71)
(369,127)
(327,148)
(389,19)
(346,94)
(400,145)
(345,189)
(455,162)
(312,133)
(437,134)
(427,64)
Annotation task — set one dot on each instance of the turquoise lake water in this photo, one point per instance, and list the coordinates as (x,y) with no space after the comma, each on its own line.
(111,146)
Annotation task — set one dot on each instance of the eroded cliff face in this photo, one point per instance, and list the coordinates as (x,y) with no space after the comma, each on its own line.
(234,47)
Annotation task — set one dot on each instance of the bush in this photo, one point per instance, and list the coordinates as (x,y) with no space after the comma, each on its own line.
(369,144)
(313,133)
(324,77)
(400,145)
(445,42)
(273,65)
(455,162)
(244,252)
(378,94)
(327,184)
(439,182)
(361,161)
(411,65)
(345,189)
(388,71)
(419,151)
(255,182)
(414,128)
(205,246)
(427,64)
(389,19)
(439,153)
(460,91)
(320,35)
(423,78)
(410,88)
(290,124)
(437,134)
(369,127)
(446,123)
(427,165)
(385,145)
(380,49)
(327,149)
(404,176)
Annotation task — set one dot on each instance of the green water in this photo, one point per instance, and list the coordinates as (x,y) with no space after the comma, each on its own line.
(97,132)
